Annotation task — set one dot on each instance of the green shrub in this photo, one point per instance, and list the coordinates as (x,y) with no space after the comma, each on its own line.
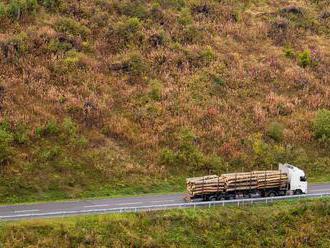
(31,6)
(50,154)
(206,56)
(15,9)
(289,53)
(133,9)
(72,27)
(21,136)
(50,129)
(6,138)
(69,127)
(185,17)
(275,131)
(188,156)
(128,28)
(190,34)
(177,4)
(55,46)
(2,10)
(50,4)
(136,65)
(304,58)
(155,92)
(217,79)
(322,125)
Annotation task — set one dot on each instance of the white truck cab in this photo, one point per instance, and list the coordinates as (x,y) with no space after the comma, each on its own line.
(297,178)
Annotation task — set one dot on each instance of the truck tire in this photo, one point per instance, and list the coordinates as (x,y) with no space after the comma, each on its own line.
(212,198)
(271,194)
(298,192)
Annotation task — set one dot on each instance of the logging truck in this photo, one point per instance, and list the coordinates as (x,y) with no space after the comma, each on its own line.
(287,180)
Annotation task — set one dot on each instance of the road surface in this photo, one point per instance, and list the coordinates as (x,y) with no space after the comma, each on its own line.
(41,210)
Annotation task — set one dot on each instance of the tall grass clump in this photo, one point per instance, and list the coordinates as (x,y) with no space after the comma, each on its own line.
(322,125)
(6,139)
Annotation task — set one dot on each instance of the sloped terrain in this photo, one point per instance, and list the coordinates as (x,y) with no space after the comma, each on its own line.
(106,97)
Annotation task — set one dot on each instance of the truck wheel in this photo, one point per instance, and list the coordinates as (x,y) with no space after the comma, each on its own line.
(298,192)
(272,194)
(221,198)
(212,198)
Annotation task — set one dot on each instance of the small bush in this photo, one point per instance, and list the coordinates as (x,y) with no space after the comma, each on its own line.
(155,92)
(55,46)
(289,53)
(50,129)
(185,17)
(322,125)
(128,28)
(189,156)
(72,27)
(133,9)
(2,10)
(50,4)
(6,138)
(275,131)
(177,4)
(305,59)
(136,65)
(21,136)
(15,9)
(18,8)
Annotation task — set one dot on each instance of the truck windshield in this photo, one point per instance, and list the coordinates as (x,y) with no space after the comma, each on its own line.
(303,179)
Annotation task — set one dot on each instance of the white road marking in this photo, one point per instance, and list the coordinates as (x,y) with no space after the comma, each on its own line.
(319,190)
(26,211)
(128,203)
(96,206)
(162,201)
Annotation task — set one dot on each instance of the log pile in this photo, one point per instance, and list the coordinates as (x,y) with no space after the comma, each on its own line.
(236,181)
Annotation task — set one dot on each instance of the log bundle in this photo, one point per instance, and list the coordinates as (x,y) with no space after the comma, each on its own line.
(236,182)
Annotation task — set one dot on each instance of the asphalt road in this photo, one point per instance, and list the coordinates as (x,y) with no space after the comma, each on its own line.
(41,210)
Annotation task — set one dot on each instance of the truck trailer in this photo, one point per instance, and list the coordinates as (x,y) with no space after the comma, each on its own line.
(287,180)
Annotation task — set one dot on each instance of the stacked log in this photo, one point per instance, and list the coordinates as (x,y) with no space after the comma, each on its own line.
(236,181)
(206,184)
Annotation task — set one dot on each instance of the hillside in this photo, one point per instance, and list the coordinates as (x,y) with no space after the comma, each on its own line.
(303,224)
(105,97)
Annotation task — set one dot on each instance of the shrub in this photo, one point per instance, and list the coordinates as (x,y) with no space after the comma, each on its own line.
(50,4)
(2,10)
(133,9)
(275,131)
(6,138)
(207,56)
(21,136)
(55,46)
(289,53)
(128,28)
(217,79)
(304,58)
(177,4)
(155,92)
(31,6)
(189,156)
(71,27)
(69,127)
(50,129)
(15,9)
(185,17)
(322,125)
(136,66)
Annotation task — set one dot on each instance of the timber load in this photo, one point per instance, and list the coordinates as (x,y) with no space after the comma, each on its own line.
(254,180)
